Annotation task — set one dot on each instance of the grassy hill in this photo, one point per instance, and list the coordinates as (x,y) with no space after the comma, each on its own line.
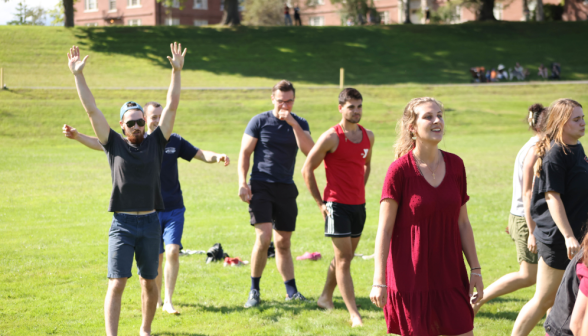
(249,56)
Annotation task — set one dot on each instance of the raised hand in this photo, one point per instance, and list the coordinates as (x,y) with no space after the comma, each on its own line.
(223,158)
(177,59)
(70,132)
(75,64)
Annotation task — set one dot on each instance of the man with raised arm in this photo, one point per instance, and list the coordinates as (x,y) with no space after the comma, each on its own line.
(135,163)
(172,218)
(346,150)
(274,137)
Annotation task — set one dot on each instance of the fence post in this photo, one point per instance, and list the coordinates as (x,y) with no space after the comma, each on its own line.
(341,78)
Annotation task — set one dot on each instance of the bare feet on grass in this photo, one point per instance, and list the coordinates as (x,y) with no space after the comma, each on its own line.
(356,321)
(159,303)
(143,332)
(325,303)
(168,307)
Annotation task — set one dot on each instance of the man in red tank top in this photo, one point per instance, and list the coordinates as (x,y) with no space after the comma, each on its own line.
(346,149)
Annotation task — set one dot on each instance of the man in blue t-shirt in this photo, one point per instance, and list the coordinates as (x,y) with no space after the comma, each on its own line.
(172,218)
(274,138)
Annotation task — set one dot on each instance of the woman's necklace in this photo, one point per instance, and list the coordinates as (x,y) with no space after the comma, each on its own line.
(419,162)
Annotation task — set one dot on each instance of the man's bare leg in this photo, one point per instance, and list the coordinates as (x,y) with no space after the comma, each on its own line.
(158,281)
(343,257)
(172,267)
(112,304)
(325,301)
(283,255)
(148,304)
(263,233)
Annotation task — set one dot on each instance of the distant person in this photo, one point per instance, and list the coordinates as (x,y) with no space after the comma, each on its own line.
(520,224)
(349,22)
(559,205)
(297,20)
(172,218)
(273,137)
(287,18)
(346,150)
(519,72)
(135,163)
(493,75)
(420,278)
(543,72)
(555,71)
(427,15)
(502,73)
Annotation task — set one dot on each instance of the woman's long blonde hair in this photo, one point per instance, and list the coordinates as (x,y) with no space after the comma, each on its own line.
(404,142)
(559,113)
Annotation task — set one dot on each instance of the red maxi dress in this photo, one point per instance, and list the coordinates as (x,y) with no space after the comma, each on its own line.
(428,286)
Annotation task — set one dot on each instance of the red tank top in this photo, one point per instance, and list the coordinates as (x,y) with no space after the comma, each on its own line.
(345,169)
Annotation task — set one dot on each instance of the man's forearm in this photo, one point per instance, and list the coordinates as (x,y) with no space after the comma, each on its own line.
(90,142)
(303,139)
(243,168)
(312,186)
(209,157)
(367,169)
(85,95)
(174,91)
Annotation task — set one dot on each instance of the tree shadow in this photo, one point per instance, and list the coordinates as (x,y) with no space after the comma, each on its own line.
(370,55)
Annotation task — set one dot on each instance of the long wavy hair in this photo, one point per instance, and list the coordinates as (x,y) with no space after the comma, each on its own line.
(559,113)
(404,141)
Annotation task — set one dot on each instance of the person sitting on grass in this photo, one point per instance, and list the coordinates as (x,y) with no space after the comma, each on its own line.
(520,224)
(135,163)
(543,71)
(172,218)
(555,71)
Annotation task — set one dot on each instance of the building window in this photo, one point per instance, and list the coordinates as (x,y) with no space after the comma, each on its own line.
(112,5)
(134,22)
(176,4)
(133,3)
(316,21)
(498,11)
(199,23)
(91,5)
(172,21)
(92,24)
(201,4)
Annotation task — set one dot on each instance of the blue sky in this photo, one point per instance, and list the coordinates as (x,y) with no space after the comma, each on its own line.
(7,9)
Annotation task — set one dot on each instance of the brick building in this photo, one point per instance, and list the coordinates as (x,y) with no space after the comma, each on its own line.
(147,13)
(324,13)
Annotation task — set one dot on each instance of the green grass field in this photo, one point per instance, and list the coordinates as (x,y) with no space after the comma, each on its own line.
(250,56)
(54,192)
(54,224)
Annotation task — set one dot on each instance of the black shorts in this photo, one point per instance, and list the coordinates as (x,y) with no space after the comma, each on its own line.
(344,220)
(274,203)
(554,255)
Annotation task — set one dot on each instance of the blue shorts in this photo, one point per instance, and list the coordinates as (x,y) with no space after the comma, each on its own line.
(133,235)
(172,227)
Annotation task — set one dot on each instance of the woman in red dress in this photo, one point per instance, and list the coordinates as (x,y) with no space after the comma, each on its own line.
(420,279)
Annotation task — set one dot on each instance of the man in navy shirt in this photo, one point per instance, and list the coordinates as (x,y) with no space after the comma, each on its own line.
(274,138)
(172,218)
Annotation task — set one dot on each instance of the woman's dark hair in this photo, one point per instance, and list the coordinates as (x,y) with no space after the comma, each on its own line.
(537,117)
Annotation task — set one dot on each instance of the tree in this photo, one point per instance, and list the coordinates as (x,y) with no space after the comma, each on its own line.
(264,12)
(231,15)
(68,10)
(57,15)
(356,10)
(28,15)
(539,14)
(486,11)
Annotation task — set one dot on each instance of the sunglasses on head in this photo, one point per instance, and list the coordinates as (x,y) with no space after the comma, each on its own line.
(131,123)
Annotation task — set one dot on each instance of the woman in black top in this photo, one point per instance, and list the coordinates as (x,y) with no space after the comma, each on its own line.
(559,205)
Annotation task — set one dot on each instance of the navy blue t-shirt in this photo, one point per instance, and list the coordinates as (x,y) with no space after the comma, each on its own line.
(170,183)
(274,156)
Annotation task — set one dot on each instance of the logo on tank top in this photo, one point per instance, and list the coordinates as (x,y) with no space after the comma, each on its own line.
(170,150)
(365,152)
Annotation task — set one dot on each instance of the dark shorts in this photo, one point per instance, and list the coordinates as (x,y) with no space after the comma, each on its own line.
(134,235)
(172,227)
(344,220)
(274,203)
(554,255)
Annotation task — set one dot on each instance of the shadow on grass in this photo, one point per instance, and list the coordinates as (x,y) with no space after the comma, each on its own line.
(371,55)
